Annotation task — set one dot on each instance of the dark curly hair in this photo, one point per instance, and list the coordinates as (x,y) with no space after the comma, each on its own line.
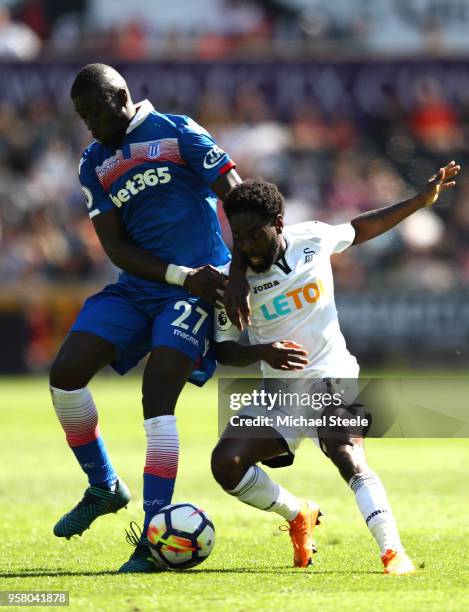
(255,195)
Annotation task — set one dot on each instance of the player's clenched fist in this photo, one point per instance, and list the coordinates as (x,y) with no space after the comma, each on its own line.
(206,282)
(284,355)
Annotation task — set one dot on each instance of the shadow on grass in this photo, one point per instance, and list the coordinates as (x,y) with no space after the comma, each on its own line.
(288,571)
(45,573)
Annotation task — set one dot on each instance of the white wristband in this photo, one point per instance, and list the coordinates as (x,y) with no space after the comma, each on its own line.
(176,275)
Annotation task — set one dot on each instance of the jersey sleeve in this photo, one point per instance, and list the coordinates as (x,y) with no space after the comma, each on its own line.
(202,153)
(97,200)
(336,237)
(225,331)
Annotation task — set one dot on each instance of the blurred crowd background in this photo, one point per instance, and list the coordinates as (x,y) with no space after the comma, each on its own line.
(346,106)
(216,29)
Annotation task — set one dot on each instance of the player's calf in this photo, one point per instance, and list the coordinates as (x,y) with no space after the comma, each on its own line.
(78,416)
(349,457)
(165,375)
(233,466)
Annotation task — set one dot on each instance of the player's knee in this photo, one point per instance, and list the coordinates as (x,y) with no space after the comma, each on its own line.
(63,375)
(70,370)
(227,467)
(347,457)
(81,355)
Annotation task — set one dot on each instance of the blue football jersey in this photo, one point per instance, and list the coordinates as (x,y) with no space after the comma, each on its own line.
(159,181)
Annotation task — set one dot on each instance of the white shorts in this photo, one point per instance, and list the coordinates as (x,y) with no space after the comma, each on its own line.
(293,416)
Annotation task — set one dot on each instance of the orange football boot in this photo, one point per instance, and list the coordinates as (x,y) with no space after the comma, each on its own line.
(301,531)
(397,563)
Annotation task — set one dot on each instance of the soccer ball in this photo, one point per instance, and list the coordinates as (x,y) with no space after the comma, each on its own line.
(181,536)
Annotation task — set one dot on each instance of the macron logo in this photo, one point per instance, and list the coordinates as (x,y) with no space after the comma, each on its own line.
(186,336)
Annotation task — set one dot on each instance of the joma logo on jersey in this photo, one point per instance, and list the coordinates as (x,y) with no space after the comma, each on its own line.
(296,299)
(265,286)
(139,182)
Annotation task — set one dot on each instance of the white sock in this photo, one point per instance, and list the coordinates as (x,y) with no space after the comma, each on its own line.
(162,446)
(257,489)
(372,500)
(77,414)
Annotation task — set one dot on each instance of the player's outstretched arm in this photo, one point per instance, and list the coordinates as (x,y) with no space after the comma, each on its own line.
(283,355)
(203,282)
(375,222)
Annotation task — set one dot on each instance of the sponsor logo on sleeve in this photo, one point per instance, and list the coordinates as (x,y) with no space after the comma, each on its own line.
(88,196)
(222,320)
(213,157)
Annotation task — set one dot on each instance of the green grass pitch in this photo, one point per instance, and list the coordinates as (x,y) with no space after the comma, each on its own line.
(250,568)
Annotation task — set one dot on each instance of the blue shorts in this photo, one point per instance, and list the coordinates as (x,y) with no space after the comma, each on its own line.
(137,322)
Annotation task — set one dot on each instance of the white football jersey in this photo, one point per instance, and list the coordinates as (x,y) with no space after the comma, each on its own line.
(294,300)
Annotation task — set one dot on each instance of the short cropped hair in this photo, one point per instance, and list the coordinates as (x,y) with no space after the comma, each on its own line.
(99,77)
(255,195)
